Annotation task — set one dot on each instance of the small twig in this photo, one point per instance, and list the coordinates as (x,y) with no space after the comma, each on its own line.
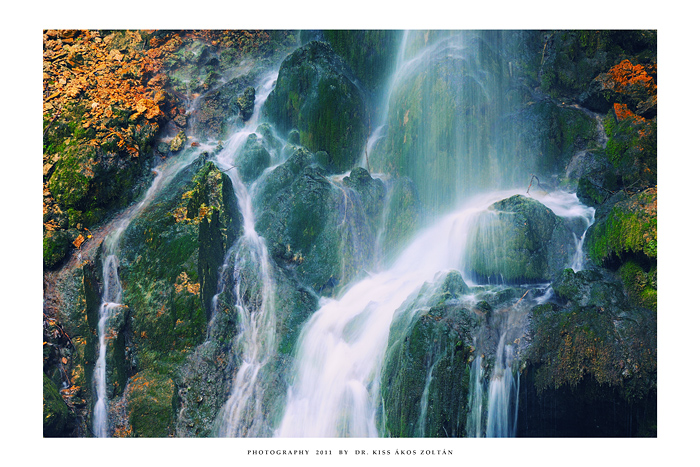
(534,177)
(230,168)
(521,298)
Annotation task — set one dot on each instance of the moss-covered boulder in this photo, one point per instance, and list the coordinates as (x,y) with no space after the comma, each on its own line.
(171,255)
(57,421)
(323,229)
(151,400)
(246,103)
(518,240)
(626,229)
(252,159)
(315,94)
(426,372)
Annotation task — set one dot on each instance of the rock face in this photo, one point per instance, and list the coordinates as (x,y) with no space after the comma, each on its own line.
(325,231)
(593,351)
(518,240)
(426,373)
(253,159)
(315,94)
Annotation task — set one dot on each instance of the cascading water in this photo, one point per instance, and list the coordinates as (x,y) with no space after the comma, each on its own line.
(341,348)
(254,297)
(112,289)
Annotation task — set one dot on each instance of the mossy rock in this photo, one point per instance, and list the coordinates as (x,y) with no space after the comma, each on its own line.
(518,240)
(315,94)
(616,347)
(57,245)
(246,103)
(219,108)
(640,285)
(572,59)
(589,288)
(426,372)
(627,229)
(564,131)
(253,159)
(150,403)
(171,254)
(57,419)
(318,228)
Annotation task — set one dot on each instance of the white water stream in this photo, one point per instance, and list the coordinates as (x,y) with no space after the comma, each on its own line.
(242,414)
(340,351)
(112,289)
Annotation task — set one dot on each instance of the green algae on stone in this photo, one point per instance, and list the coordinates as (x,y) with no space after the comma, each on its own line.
(315,94)
(628,229)
(518,240)
(56,417)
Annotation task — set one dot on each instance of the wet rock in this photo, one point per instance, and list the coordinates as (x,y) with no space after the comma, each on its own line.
(426,373)
(315,94)
(246,103)
(56,417)
(178,142)
(518,240)
(253,159)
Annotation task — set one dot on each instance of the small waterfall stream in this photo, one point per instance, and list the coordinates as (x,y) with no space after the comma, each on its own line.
(112,289)
(254,296)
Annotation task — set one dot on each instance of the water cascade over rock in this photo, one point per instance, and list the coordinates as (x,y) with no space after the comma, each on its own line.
(374,234)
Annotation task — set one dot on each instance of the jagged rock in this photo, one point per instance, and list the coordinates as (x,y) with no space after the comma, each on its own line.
(246,103)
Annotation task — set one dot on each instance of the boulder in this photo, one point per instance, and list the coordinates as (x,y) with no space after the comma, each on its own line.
(316,94)
(253,159)
(426,371)
(246,103)
(178,142)
(518,240)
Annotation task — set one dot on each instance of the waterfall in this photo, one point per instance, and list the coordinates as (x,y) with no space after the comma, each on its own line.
(111,286)
(254,291)
(340,350)
(503,394)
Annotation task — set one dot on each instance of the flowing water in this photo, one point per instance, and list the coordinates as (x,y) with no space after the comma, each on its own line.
(112,290)
(253,283)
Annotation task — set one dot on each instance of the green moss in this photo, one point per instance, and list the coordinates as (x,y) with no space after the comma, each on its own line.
(639,284)
(573,342)
(629,229)
(56,418)
(151,400)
